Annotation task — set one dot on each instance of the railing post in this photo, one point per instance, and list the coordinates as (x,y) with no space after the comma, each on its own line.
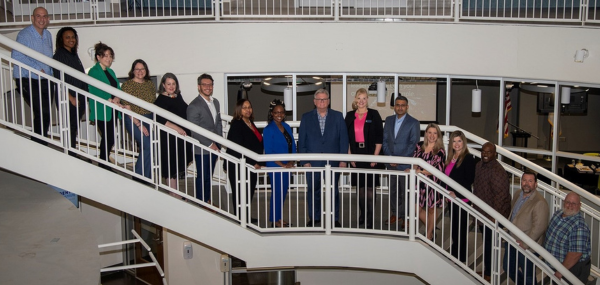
(336,10)
(496,253)
(63,117)
(328,199)
(242,209)
(412,180)
(457,5)
(217,5)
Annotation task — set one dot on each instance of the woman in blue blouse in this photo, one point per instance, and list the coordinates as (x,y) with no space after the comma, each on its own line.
(278,138)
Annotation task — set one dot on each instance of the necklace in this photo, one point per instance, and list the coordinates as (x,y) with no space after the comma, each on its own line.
(249,124)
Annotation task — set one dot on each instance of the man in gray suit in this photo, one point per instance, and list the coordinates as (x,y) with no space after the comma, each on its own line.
(400,137)
(204,111)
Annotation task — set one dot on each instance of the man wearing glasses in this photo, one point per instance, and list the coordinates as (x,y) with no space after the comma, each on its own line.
(36,92)
(568,239)
(322,130)
(204,111)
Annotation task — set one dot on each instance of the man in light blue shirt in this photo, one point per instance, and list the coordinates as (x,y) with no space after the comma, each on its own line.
(401,134)
(36,91)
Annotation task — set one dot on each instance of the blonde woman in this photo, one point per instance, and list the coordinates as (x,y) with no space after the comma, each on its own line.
(431,149)
(365,134)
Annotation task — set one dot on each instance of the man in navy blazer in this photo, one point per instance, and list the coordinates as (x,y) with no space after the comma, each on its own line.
(322,130)
(204,111)
(401,134)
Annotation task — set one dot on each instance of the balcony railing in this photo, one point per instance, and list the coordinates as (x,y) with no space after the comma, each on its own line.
(342,207)
(579,12)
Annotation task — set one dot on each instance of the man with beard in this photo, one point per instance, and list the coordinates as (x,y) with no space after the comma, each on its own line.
(568,238)
(530,214)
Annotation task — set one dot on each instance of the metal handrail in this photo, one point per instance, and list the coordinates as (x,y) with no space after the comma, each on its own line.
(328,157)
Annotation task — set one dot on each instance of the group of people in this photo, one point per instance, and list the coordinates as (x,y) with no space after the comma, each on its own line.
(322,130)
(566,236)
(40,92)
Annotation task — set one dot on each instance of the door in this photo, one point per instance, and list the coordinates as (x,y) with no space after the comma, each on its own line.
(138,254)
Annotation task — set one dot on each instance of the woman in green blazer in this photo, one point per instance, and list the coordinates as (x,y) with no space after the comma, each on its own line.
(100,113)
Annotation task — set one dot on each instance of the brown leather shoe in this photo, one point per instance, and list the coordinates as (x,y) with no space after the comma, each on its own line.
(392,220)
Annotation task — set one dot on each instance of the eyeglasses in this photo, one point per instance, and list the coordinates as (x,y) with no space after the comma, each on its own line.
(322,100)
(206,84)
(139,69)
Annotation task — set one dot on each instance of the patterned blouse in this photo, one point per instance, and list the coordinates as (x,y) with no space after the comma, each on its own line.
(145,91)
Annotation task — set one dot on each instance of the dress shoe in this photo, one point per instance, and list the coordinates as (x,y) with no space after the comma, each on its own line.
(391,220)
(485,277)
(337,224)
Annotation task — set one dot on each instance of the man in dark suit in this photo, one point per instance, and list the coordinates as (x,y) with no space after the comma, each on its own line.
(204,111)
(322,130)
(401,134)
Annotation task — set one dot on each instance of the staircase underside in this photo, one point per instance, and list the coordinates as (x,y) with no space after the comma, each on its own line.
(27,158)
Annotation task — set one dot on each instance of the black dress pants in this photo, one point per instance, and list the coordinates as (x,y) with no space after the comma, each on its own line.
(37,94)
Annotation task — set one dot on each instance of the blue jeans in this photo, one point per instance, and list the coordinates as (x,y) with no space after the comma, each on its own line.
(143,164)
(519,269)
(205,164)
(313,179)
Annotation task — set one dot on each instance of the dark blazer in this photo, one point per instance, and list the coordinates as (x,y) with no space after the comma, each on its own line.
(333,140)
(405,143)
(275,142)
(464,174)
(239,133)
(199,114)
(373,130)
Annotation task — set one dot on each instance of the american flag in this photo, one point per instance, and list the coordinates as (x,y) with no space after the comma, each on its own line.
(507,108)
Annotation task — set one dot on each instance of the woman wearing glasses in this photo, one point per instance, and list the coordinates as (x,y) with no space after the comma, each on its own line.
(140,86)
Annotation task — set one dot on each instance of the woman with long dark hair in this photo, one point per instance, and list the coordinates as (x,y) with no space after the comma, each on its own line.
(242,131)
(460,166)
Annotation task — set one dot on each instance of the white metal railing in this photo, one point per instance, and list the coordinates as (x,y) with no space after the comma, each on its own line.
(221,200)
(17,13)
(139,239)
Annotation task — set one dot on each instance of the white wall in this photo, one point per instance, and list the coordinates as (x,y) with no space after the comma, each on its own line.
(203,268)
(106,223)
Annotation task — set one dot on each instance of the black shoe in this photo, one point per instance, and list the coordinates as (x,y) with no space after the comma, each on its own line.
(254,221)
(337,224)
(361,220)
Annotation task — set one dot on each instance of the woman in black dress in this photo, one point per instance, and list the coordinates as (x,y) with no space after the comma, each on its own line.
(67,42)
(175,154)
